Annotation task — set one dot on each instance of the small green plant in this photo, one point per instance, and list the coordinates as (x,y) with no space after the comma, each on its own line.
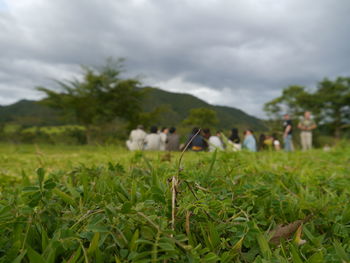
(100,204)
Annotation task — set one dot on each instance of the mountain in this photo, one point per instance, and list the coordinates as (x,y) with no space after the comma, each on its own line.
(29,113)
(177,105)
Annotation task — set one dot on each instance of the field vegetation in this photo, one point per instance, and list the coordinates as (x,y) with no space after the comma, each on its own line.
(102,204)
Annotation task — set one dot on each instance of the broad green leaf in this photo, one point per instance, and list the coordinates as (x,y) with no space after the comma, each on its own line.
(35,257)
(316,258)
(41,174)
(295,255)
(133,243)
(49,184)
(341,251)
(211,258)
(44,239)
(133,195)
(75,257)
(126,208)
(94,243)
(264,246)
(65,197)
(30,189)
(19,258)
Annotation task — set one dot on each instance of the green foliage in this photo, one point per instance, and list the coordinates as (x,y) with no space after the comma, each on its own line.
(329,103)
(92,207)
(148,119)
(29,113)
(65,134)
(201,117)
(179,106)
(100,97)
(159,107)
(333,100)
(294,100)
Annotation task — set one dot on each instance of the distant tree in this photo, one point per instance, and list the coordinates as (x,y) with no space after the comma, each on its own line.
(329,103)
(100,96)
(201,117)
(147,119)
(333,102)
(294,100)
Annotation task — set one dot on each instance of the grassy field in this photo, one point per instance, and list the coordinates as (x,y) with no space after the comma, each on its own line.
(103,204)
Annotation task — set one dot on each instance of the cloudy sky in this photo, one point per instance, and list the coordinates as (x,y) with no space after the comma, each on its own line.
(239,53)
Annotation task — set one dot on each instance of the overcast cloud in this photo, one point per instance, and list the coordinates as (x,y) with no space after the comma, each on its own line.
(238,53)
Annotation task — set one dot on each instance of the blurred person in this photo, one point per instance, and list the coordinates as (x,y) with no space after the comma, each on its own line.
(234,140)
(196,141)
(276,142)
(206,135)
(287,133)
(249,141)
(153,140)
(268,143)
(163,137)
(306,125)
(262,143)
(136,139)
(173,140)
(215,142)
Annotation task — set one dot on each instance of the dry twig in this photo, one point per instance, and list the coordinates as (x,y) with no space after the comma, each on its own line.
(175,181)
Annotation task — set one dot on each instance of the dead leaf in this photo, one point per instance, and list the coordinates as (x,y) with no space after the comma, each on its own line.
(285,232)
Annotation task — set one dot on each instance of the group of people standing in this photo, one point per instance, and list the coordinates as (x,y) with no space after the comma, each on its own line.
(306,126)
(202,140)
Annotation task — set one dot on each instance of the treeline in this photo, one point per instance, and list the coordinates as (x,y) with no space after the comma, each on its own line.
(113,132)
(329,104)
(102,105)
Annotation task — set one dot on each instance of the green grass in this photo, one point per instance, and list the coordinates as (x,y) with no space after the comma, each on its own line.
(104,204)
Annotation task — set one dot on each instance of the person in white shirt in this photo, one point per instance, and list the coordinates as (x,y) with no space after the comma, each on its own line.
(136,139)
(152,140)
(215,142)
(163,137)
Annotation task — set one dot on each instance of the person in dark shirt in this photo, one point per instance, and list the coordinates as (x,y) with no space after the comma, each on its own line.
(206,135)
(234,137)
(197,144)
(234,141)
(287,133)
(261,144)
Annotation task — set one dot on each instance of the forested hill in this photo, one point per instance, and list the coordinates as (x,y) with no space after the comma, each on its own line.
(179,105)
(176,108)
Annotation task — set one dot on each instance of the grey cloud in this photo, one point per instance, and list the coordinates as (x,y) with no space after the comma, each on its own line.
(243,51)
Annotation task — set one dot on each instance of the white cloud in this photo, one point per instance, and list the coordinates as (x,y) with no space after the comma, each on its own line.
(236,53)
